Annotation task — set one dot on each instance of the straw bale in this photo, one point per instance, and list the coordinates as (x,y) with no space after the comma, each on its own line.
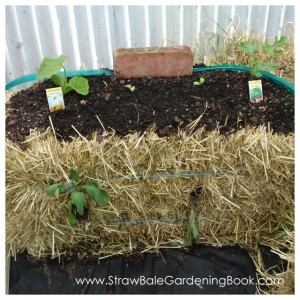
(245,183)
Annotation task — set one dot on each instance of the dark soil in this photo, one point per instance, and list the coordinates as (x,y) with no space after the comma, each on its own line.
(169,103)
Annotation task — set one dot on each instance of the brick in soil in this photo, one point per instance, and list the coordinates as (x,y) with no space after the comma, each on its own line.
(168,103)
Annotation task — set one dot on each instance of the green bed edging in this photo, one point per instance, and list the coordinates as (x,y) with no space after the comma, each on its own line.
(278,80)
(33,77)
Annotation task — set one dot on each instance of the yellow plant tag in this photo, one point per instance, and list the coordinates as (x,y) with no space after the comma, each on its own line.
(255,91)
(55,99)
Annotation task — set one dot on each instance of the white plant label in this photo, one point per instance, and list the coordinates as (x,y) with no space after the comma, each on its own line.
(255,91)
(55,99)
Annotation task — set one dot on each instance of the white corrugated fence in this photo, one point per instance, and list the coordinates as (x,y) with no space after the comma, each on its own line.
(87,34)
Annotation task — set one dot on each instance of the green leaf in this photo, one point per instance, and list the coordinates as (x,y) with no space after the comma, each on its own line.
(130,87)
(201,80)
(58,79)
(62,188)
(57,193)
(50,66)
(72,219)
(196,83)
(74,176)
(192,231)
(66,88)
(280,42)
(78,199)
(99,195)
(79,85)
(52,190)
(193,226)
(248,48)
(252,61)
(268,66)
(255,71)
(195,232)
(189,238)
(272,49)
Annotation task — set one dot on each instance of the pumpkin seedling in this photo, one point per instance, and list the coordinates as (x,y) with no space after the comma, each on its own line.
(199,82)
(77,200)
(130,87)
(49,69)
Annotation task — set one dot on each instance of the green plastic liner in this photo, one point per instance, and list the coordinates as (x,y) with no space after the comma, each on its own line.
(33,77)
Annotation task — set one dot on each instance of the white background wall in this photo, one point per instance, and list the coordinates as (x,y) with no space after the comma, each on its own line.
(87,34)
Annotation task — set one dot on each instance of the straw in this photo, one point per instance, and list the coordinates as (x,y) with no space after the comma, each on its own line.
(246,181)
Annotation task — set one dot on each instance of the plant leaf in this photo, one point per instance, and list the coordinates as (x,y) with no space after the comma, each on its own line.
(189,238)
(268,66)
(255,71)
(78,199)
(272,49)
(280,42)
(52,190)
(252,61)
(193,226)
(63,189)
(130,87)
(50,66)
(99,195)
(248,48)
(72,219)
(196,83)
(195,232)
(79,85)
(201,80)
(192,231)
(58,79)
(57,193)
(74,176)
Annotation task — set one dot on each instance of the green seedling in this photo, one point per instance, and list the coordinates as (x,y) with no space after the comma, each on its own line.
(270,51)
(78,191)
(49,69)
(199,82)
(130,87)
(192,231)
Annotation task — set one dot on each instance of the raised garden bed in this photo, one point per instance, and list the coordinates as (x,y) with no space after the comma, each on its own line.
(164,149)
(167,103)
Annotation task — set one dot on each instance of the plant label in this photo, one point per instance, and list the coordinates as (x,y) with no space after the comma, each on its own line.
(255,91)
(55,99)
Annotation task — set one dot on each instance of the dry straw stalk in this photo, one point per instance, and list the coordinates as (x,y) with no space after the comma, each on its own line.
(246,198)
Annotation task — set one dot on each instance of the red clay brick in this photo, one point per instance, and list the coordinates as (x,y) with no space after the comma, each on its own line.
(153,62)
